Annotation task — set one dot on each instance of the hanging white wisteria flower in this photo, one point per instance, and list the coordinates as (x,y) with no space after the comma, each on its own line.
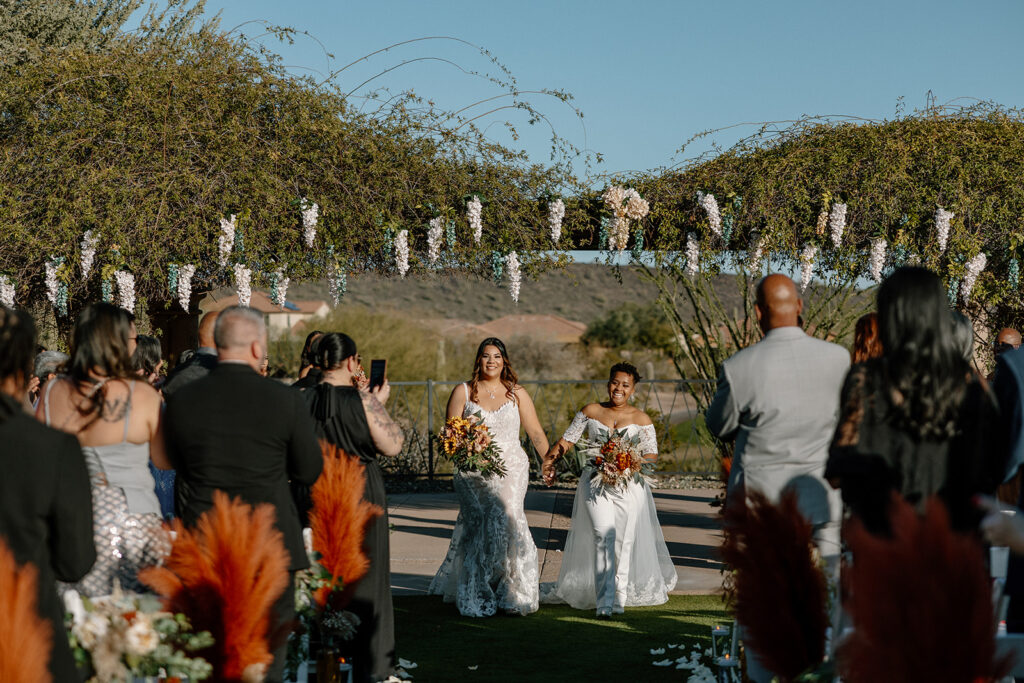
(877,260)
(89,242)
(279,287)
(337,283)
(514,276)
(310,214)
(942,219)
(434,234)
(636,207)
(613,197)
(692,255)
(243,284)
(618,236)
(52,284)
(6,291)
(185,274)
(125,290)
(757,252)
(402,252)
(556,212)
(226,242)
(837,223)
(974,268)
(474,214)
(807,257)
(710,206)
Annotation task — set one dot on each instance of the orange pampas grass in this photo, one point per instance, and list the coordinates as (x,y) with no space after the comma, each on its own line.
(25,637)
(920,602)
(779,592)
(339,518)
(225,575)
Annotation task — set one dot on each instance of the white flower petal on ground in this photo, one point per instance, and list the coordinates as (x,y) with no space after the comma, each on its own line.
(672,646)
(664,662)
(658,651)
(406,664)
(474,667)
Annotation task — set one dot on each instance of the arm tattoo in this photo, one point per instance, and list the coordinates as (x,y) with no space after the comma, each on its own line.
(375,411)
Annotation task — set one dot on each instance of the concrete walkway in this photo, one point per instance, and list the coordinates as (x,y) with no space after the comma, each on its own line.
(422,526)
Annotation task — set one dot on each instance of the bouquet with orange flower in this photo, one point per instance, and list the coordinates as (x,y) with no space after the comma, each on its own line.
(618,460)
(468,443)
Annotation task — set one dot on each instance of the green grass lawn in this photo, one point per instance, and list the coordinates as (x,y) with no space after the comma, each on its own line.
(557,643)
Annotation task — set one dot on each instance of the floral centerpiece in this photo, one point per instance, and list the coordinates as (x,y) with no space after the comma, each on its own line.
(128,634)
(618,460)
(468,443)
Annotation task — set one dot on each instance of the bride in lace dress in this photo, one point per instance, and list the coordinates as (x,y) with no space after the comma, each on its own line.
(615,555)
(492,561)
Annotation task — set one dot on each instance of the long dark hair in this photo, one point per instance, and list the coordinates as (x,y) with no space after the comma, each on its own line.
(509,378)
(99,343)
(147,354)
(332,349)
(307,358)
(925,374)
(17,354)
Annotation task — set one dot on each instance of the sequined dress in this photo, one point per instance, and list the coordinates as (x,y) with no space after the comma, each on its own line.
(127,528)
(491,563)
(615,555)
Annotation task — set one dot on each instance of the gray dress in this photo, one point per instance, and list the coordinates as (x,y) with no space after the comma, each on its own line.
(126,513)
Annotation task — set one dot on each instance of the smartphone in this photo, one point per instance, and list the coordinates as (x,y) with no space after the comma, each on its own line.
(378,372)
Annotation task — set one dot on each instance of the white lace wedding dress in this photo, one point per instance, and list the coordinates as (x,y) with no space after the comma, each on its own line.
(615,555)
(492,560)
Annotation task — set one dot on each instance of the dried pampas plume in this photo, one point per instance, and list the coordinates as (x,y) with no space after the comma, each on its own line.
(779,593)
(920,602)
(225,575)
(339,519)
(25,637)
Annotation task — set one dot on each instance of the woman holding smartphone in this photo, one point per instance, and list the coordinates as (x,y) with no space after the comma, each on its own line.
(354,419)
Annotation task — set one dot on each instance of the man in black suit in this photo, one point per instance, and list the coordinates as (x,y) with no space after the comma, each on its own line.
(45,500)
(247,435)
(199,363)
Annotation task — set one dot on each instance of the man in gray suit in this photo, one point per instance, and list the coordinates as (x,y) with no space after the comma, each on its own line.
(779,399)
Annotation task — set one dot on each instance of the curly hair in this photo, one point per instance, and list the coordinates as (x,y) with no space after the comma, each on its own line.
(509,378)
(626,369)
(866,342)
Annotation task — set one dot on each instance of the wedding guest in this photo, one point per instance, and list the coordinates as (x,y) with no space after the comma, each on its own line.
(117,420)
(1008,339)
(147,363)
(200,363)
(309,373)
(147,359)
(246,435)
(357,422)
(45,504)
(47,365)
(779,401)
(917,421)
(866,344)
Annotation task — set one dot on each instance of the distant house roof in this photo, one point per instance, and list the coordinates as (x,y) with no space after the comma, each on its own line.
(552,327)
(261,302)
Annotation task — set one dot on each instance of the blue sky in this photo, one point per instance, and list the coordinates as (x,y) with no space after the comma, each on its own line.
(648,75)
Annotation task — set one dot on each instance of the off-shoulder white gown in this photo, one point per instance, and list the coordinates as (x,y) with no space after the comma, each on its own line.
(615,555)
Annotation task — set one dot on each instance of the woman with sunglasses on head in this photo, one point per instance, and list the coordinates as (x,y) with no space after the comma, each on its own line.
(491,564)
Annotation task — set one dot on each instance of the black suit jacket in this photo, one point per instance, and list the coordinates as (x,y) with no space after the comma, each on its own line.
(46,516)
(247,435)
(199,365)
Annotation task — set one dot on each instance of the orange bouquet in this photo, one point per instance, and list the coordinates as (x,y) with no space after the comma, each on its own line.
(468,443)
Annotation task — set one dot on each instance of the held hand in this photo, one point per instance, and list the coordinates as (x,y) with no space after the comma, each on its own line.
(33,385)
(381,393)
(547,470)
(1002,525)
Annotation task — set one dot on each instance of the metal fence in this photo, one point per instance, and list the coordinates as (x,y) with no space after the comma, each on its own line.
(685,446)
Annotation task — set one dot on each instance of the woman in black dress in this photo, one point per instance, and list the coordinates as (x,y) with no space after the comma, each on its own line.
(357,422)
(918,420)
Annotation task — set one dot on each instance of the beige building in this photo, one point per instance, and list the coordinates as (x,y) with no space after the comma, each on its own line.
(281,320)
